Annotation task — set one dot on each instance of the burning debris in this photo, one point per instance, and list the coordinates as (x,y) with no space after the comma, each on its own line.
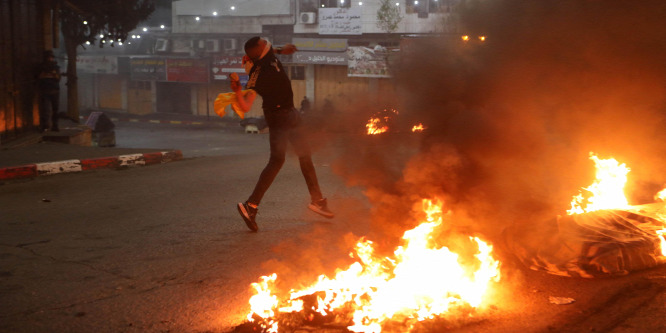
(422,281)
(601,235)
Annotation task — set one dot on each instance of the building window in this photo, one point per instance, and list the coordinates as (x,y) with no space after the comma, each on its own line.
(435,6)
(426,6)
(297,72)
(334,3)
(308,5)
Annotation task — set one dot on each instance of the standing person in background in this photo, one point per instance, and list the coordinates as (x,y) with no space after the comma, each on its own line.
(49,92)
(305,105)
(268,79)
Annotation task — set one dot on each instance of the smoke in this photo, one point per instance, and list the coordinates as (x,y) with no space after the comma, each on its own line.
(510,124)
(512,119)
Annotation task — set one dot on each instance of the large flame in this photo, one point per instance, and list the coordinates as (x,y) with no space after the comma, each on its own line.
(607,191)
(419,282)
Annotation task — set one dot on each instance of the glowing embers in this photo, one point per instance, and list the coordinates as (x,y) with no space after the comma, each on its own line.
(420,281)
(607,191)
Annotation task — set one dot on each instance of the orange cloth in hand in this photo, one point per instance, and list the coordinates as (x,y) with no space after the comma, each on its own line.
(225,99)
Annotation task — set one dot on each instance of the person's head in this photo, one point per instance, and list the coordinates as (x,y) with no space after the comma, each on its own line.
(256,48)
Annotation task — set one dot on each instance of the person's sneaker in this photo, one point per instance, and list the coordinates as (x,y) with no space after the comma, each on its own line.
(248,213)
(321,207)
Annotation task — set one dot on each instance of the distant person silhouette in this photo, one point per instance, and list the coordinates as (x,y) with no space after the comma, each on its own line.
(48,81)
(305,106)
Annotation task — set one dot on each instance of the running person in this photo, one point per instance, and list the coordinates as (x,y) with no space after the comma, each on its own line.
(268,79)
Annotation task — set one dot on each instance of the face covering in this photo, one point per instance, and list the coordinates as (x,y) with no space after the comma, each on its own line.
(247,64)
(266,49)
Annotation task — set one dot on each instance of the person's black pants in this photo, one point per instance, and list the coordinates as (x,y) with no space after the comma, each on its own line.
(283,128)
(48,110)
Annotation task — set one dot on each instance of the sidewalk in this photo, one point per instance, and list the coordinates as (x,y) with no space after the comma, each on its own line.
(31,156)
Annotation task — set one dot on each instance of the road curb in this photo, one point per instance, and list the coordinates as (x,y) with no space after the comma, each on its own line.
(67,166)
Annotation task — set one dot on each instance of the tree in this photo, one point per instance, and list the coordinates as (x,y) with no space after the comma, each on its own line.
(388,16)
(101,22)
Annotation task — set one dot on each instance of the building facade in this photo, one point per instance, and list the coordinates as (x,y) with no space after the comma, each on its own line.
(182,66)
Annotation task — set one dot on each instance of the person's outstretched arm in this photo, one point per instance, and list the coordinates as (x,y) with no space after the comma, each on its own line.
(286,49)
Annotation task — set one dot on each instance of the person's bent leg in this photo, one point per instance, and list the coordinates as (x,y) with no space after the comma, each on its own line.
(278,143)
(300,144)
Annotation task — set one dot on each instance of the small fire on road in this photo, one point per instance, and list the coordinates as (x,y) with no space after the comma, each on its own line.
(382,122)
(379,123)
(375,127)
(418,128)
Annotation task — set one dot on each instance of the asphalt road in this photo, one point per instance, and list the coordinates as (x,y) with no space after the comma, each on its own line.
(193,141)
(162,248)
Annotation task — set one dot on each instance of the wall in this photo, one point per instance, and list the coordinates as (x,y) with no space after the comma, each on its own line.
(112,91)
